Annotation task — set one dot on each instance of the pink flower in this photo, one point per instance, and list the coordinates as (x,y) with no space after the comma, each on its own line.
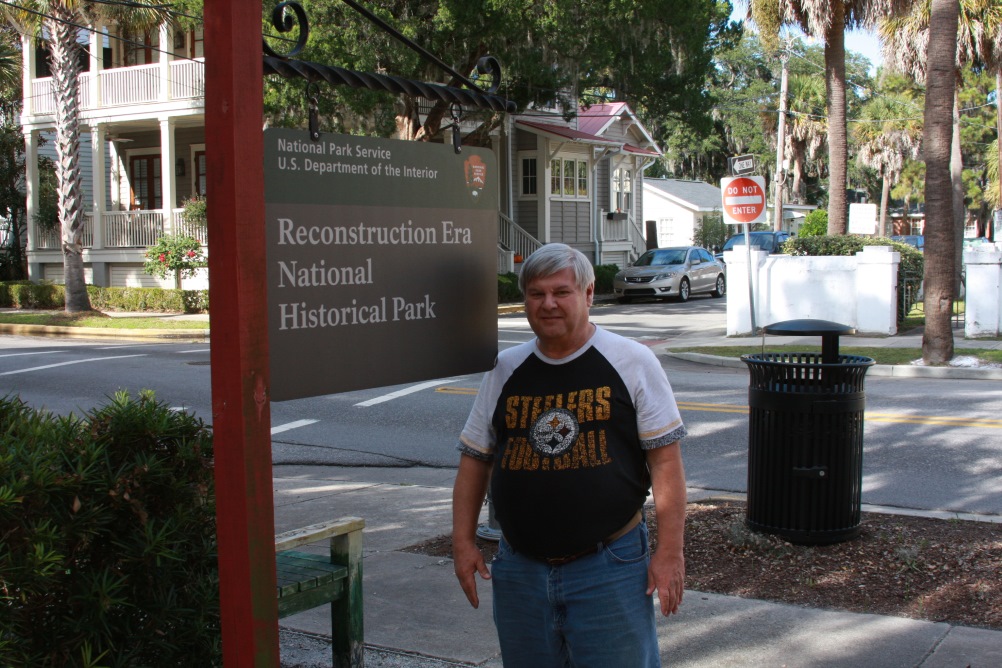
(191,253)
(163,258)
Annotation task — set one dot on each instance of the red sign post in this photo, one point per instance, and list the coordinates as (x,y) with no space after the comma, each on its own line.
(245,519)
(744,199)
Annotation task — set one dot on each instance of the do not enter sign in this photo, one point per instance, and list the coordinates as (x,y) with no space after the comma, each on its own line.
(744,199)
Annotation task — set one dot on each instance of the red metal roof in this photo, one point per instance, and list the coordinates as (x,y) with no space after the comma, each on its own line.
(565,132)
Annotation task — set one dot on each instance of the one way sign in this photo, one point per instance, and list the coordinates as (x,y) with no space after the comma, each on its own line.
(742,164)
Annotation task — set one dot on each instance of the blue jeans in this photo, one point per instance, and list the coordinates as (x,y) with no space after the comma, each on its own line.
(590,613)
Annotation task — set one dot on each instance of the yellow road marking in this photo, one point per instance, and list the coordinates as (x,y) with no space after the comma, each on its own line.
(894,418)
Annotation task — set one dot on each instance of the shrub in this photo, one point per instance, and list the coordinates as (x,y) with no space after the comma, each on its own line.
(604,274)
(108,524)
(25,294)
(177,255)
(508,288)
(815,224)
(910,270)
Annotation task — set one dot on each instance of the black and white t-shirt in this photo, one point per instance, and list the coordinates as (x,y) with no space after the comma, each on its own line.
(567,440)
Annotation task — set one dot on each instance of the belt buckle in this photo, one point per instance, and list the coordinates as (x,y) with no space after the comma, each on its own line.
(560,561)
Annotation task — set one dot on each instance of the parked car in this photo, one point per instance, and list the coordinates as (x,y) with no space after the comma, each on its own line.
(768,241)
(916,240)
(671,272)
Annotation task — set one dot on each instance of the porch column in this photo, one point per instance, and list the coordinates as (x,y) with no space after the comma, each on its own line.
(116,177)
(31,186)
(166,54)
(96,61)
(167,181)
(98,183)
(543,229)
(27,74)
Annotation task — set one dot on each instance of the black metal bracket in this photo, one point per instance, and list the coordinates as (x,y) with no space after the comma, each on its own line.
(288,67)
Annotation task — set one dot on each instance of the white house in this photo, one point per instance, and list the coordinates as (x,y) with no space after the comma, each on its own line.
(142,104)
(675,208)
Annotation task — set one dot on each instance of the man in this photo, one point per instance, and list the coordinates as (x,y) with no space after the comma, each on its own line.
(570,431)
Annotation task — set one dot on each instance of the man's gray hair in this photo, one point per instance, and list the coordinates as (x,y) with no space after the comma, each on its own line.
(553,258)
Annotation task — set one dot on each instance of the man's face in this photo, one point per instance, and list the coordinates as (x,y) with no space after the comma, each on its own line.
(557,310)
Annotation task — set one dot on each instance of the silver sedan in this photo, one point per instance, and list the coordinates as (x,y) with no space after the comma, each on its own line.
(671,272)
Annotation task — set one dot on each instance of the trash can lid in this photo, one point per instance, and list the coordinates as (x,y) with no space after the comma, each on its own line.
(808,327)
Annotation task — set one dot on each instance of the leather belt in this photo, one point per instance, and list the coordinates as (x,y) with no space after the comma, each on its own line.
(560,561)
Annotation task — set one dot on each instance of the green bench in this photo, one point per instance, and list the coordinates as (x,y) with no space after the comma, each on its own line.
(307,581)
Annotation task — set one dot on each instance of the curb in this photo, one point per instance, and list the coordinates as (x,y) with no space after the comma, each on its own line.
(879,370)
(195,335)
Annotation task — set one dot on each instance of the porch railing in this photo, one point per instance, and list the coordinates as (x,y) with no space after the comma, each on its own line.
(513,238)
(126,229)
(182,226)
(625,229)
(132,229)
(53,239)
(128,85)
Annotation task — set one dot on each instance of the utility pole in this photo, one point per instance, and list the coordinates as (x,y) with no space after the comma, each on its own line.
(781,142)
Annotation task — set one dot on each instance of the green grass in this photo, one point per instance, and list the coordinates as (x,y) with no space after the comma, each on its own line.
(60,319)
(879,355)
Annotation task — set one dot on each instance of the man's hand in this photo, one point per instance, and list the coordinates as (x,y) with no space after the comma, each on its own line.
(467,500)
(667,570)
(667,574)
(468,561)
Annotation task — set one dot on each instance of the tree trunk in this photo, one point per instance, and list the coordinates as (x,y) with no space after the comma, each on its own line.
(838,152)
(65,83)
(885,196)
(937,337)
(957,181)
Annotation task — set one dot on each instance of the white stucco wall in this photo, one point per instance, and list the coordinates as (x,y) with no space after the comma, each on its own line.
(983,317)
(859,291)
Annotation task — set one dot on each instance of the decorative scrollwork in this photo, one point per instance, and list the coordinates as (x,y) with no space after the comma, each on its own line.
(283,22)
(338,76)
(491,66)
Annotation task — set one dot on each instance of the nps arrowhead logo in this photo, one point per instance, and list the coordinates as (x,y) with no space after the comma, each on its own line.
(475,170)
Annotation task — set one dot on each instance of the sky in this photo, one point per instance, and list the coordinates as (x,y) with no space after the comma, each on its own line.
(864,42)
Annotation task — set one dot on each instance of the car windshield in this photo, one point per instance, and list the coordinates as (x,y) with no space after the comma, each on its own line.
(661,257)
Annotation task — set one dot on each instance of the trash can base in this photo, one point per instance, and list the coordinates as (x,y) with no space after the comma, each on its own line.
(801,537)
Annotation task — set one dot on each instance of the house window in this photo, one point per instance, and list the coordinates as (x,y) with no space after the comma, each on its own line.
(569,178)
(622,186)
(144,175)
(199,163)
(528,176)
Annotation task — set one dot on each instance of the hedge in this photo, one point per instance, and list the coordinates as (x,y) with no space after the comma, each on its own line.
(28,295)
(108,554)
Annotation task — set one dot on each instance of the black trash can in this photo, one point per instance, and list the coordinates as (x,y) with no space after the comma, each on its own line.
(805,438)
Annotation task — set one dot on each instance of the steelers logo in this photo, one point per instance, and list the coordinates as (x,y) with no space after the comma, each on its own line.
(555,431)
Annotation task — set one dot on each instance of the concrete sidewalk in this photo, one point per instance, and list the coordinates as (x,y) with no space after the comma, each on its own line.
(417,616)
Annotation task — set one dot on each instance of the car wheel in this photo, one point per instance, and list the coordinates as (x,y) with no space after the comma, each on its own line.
(683,290)
(721,286)
(624,300)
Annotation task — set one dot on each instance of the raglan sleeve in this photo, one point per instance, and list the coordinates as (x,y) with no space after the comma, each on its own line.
(659,421)
(478,438)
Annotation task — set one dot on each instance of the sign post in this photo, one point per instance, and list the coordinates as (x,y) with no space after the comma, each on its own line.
(744,203)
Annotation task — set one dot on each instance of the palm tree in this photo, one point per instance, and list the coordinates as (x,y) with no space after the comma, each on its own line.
(827,21)
(60,21)
(808,129)
(937,337)
(908,47)
(887,134)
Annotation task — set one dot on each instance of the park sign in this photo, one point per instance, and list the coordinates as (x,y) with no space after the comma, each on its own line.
(381,262)
(743,199)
